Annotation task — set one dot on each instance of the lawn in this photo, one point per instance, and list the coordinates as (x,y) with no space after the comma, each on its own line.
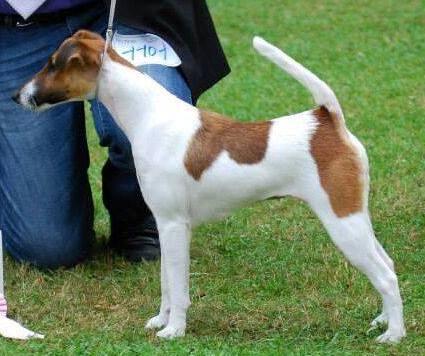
(267,280)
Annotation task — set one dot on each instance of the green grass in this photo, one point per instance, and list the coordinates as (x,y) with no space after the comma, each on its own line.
(267,280)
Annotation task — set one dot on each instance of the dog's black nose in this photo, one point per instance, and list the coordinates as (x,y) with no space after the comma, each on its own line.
(15,97)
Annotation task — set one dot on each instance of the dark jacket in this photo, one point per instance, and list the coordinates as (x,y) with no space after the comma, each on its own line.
(187,26)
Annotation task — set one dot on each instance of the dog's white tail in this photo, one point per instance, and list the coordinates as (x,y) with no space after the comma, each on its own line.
(322,94)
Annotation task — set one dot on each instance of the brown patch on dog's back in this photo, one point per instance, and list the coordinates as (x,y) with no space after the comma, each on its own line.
(338,164)
(246,143)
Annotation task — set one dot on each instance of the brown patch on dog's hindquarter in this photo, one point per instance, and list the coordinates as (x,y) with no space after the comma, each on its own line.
(338,164)
(246,143)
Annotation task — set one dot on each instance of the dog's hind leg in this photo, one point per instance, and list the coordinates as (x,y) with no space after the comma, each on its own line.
(354,236)
(175,244)
(383,317)
(387,259)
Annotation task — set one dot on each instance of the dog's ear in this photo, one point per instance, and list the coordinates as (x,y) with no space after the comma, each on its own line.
(76,59)
(87,35)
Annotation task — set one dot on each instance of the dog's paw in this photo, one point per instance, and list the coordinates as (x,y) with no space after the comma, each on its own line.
(157,322)
(171,332)
(391,336)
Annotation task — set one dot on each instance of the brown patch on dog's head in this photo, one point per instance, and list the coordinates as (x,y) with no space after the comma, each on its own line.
(338,165)
(71,72)
(246,143)
(87,35)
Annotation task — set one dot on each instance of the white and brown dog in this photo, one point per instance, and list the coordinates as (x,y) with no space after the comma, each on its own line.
(194,165)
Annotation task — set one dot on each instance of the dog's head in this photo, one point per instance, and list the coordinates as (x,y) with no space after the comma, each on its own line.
(69,75)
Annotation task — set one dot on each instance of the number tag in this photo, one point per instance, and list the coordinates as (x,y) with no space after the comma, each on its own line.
(145,49)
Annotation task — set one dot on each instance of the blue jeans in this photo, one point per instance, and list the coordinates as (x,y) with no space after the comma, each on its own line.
(46,209)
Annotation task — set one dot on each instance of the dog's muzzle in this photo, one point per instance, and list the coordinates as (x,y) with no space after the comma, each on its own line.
(30,100)
(26,96)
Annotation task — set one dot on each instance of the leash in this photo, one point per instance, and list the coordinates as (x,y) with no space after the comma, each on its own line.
(108,38)
(109,31)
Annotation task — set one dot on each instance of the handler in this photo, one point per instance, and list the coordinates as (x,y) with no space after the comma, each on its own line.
(46,208)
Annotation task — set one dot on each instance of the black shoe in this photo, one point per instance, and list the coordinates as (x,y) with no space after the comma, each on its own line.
(136,243)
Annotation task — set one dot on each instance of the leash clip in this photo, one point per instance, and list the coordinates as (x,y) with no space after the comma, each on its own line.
(109,33)
(108,40)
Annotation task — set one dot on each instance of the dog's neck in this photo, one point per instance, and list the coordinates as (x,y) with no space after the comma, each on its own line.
(135,100)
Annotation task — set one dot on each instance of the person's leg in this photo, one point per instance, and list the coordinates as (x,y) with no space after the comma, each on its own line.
(46,209)
(133,229)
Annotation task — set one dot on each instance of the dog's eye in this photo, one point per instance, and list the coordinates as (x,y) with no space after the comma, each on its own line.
(51,65)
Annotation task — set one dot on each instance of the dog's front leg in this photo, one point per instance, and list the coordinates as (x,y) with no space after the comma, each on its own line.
(162,318)
(175,244)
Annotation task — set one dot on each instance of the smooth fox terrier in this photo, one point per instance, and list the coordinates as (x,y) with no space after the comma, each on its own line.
(193,165)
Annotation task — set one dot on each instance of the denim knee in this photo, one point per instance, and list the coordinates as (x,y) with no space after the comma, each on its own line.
(49,247)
